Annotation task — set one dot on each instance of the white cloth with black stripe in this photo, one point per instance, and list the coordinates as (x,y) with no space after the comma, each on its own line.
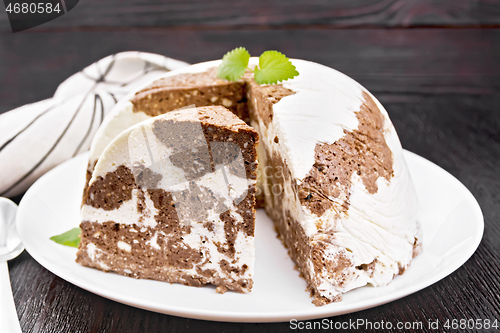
(36,137)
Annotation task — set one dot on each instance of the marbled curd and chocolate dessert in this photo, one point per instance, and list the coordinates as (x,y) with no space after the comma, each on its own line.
(331,172)
(172,199)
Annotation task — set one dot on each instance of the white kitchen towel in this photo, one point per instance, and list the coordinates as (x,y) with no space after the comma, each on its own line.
(36,137)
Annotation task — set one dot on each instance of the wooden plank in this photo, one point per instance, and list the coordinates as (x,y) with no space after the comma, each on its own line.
(387,61)
(228,13)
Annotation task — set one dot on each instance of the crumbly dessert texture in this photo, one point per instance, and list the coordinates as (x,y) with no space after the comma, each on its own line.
(331,173)
(201,89)
(187,217)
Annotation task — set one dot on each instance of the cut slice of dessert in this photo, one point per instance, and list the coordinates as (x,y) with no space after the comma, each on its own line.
(172,199)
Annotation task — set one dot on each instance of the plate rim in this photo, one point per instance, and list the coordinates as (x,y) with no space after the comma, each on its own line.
(249,317)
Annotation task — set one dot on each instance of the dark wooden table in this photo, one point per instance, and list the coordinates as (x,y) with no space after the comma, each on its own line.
(434,65)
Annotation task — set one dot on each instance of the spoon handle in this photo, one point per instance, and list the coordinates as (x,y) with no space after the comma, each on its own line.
(8,314)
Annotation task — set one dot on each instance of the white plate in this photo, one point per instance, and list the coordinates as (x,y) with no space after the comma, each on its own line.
(452,228)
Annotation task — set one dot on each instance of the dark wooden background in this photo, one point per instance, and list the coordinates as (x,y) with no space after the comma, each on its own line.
(435,65)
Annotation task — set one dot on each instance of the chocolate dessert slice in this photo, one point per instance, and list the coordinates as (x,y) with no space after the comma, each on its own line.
(172,199)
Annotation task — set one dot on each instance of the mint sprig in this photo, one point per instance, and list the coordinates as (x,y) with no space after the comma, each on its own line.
(69,238)
(273,67)
(234,64)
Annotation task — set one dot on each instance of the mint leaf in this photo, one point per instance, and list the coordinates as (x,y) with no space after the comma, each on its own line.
(234,63)
(69,238)
(274,67)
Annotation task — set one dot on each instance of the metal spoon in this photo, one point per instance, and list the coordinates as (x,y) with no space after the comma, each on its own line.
(10,247)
